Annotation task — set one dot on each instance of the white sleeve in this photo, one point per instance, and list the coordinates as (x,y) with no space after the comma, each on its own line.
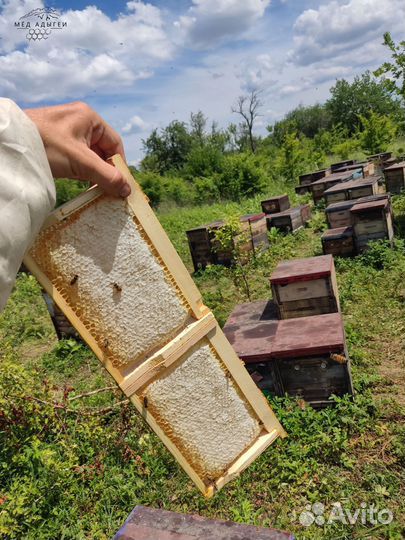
(27,190)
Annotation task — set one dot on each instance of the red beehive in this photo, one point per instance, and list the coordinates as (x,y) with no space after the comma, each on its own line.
(311,358)
(303,287)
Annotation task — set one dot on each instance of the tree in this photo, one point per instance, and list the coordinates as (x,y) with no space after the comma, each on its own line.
(167,150)
(306,121)
(198,122)
(291,162)
(396,69)
(364,94)
(377,132)
(248,107)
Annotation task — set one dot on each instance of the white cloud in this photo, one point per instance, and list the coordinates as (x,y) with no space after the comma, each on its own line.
(92,54)
(135,125)
(258,72)
(337,29)
(211,22)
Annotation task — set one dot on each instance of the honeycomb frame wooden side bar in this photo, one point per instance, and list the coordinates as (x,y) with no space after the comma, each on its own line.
(131,379)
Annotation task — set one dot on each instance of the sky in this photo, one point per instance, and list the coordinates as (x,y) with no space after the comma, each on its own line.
(142,65)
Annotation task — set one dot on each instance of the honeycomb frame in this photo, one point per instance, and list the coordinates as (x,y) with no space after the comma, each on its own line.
(200,333)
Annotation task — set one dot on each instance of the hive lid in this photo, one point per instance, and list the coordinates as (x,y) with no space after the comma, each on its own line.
(212,225)
(354,183)
(251,328)
(251,217)
(370,205)
(399,165)
(276,198)
(334,177)
(288,212)
(337,233)
(339,206)
(306,269)
(304,336)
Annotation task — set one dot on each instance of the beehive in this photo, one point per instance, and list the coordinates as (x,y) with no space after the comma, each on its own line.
(367,168)
(338,165)
(62,326)
(308,178)
(275,204)
(251,329)
(305,213)
(200,244)
(109,266)
(338,214)
(395,177)
(338,242)
(256,227)
(352,189)
(302,190)
(288,221)
(303,287)
(311,358)
(372,220)
(157,524)
(319,187)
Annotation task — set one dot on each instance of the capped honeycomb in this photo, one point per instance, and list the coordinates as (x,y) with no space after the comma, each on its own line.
(101,262)
(201,409)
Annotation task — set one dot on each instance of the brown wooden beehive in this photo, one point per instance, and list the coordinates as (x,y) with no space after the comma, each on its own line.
(304,287)
(339,164)
(308,178)
(288,221)
(305,213)
(395,178)
(311,358)
(372,220)
(367,167)
(157,524)
(352,189)
(200,244)
(275,205)
(63,327)
(319,187)
(338,214)
(111,269)
(302,190)
(338,242)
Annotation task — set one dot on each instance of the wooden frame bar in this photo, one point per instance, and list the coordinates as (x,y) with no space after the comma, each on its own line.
(202,327)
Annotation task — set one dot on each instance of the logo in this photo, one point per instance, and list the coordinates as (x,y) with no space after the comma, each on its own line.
(40,23)
(317,514)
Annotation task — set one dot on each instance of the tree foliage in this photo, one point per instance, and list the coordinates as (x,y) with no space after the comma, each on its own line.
(395,81)
(350,100)
(377,132)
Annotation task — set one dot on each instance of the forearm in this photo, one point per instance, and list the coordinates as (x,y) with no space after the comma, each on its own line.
(27,190)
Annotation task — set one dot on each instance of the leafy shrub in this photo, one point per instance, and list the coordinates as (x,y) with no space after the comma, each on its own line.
(240,177)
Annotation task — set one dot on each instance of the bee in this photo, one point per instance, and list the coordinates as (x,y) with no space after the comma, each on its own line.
(105,343)
(117,287)
(339,358)
(74,279)
(145,402)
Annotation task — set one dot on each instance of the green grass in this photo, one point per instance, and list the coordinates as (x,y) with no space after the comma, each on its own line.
(67,472)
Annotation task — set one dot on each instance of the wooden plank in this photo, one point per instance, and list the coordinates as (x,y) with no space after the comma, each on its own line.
(167,355)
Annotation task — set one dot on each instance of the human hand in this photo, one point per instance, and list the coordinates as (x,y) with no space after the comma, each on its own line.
(77,142)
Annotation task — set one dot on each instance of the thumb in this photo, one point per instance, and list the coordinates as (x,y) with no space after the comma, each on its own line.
(91,167)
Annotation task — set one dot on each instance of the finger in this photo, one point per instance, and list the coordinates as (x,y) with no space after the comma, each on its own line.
(89,166)
(107,140)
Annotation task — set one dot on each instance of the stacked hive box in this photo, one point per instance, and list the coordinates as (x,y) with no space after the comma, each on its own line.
(373,218)
(205,249)
(336,166)
(367,167)
(127,292)
(352,189)
(395,177)
(282,217)
(304,356)
(319,187)
(306,180)
(304,287)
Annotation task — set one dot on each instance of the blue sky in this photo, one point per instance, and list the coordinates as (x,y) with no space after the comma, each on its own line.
(141,65)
